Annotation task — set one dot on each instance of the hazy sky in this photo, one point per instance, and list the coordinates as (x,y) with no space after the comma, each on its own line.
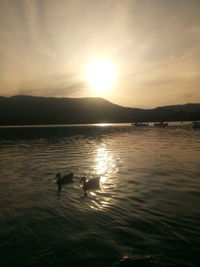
(45,46)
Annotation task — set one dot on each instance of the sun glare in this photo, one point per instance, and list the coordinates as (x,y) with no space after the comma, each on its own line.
(101,75)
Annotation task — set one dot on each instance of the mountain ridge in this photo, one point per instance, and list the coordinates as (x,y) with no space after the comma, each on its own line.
(26,109)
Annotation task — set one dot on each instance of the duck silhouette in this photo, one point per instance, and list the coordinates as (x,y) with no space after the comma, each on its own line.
(92,184)
(61,180)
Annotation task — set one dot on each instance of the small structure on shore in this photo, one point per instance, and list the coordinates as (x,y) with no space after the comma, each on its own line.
(196,124)
(161,124)
(140,124)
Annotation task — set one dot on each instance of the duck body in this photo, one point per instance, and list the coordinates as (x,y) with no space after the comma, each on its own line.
(92,184)
(61,180)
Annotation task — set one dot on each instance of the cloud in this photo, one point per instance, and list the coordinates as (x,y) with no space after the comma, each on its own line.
(54,85)
(156,44)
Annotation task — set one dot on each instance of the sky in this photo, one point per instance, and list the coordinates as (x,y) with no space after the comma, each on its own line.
(46,47)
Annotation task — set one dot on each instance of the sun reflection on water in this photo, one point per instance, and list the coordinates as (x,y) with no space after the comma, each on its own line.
(103,124)
(106,165)
(99,204)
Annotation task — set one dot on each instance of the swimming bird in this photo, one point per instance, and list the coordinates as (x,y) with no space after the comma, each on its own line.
(92,184)
(61,180)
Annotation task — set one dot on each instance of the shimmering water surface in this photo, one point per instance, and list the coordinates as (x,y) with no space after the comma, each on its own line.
(146,214)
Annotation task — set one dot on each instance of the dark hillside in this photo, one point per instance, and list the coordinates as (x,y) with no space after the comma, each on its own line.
(48,110)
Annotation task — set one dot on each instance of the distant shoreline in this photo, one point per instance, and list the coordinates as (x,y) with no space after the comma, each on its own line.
(171,123)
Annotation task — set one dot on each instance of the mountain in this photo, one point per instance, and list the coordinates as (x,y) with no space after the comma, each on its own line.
(26,110)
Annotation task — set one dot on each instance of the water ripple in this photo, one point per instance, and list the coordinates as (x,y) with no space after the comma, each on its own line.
(147,204)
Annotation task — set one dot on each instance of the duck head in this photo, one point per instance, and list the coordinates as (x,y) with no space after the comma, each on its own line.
(83,179)
(58,176)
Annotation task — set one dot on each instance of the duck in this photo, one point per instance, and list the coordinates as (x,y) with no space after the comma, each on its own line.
(61,180)
(92,184)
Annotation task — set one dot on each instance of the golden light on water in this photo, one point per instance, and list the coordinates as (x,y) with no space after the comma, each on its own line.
(105,163)
(101,75)
(98,204)
(105,168)
(103,124)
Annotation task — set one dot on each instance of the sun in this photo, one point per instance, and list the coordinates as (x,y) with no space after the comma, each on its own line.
(100,75)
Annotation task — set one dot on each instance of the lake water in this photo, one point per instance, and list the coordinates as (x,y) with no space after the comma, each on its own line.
(147,212)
